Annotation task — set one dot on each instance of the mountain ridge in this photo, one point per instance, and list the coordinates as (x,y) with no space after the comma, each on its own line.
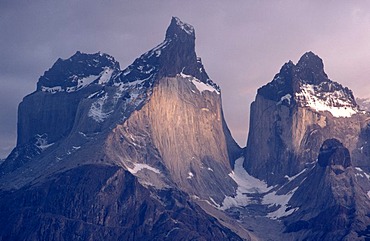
(145,153)
(123,115)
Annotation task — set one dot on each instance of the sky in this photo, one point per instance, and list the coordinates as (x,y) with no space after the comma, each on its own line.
(242,43)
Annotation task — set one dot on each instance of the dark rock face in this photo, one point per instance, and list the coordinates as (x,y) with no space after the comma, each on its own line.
(176,54)
(96,202)
(332,152)
(20,156)
(331,202)
(67,73)
(362,151)
(311,69)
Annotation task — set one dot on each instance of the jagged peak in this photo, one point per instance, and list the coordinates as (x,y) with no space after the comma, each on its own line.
(174,56)
(77,71)
(310,58)
(180,29)
(286,69)
(82,56)
(307,85)
(310,69)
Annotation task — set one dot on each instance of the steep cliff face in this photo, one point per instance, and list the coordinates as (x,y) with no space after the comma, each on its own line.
(293,114)
(308,140)
(51,110)
(183,122)
(110,153)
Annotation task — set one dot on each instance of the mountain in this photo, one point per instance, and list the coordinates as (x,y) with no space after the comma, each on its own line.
(308,144)
(144,153)
(294,114)
(332,203)
(105,153)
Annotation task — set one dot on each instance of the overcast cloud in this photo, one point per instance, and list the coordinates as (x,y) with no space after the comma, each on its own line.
(243,44)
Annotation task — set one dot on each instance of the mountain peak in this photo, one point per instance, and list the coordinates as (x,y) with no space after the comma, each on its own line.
(174,56)
(179,29)
(310,58)
(307,85)
(310,69)
(76,72)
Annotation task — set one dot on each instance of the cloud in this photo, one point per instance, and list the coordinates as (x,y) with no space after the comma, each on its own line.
(242,44)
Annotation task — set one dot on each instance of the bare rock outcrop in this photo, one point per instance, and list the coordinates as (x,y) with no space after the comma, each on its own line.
(192,144)
(293,114)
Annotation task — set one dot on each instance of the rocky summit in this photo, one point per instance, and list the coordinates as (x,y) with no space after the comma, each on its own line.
(294,114)
(145,153)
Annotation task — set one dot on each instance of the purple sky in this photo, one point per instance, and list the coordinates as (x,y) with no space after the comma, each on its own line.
(243,44)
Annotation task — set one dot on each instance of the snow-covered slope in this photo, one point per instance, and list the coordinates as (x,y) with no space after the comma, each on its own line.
(333,101)
(307,85)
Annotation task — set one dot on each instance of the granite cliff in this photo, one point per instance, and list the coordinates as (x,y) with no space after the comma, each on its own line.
(105,153)
(293,115)
(308,142)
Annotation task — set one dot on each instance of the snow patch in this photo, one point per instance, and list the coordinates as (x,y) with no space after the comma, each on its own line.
(140,166)
(43,147)
(102,78)
(97,109)
(203,87)
(328,101)
(86,81)
(198,84)
(246,185)
(214,202)
(42,142)
(190,175)
(273,199)
(184,26)
(286,97)
(52,90)
(295,176)
(362,173)
(105,76)
(368,194)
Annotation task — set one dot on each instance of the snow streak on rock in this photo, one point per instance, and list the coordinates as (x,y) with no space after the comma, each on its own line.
(140,166)
(97,110)
(335,102)
(199,84)
(281,201)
